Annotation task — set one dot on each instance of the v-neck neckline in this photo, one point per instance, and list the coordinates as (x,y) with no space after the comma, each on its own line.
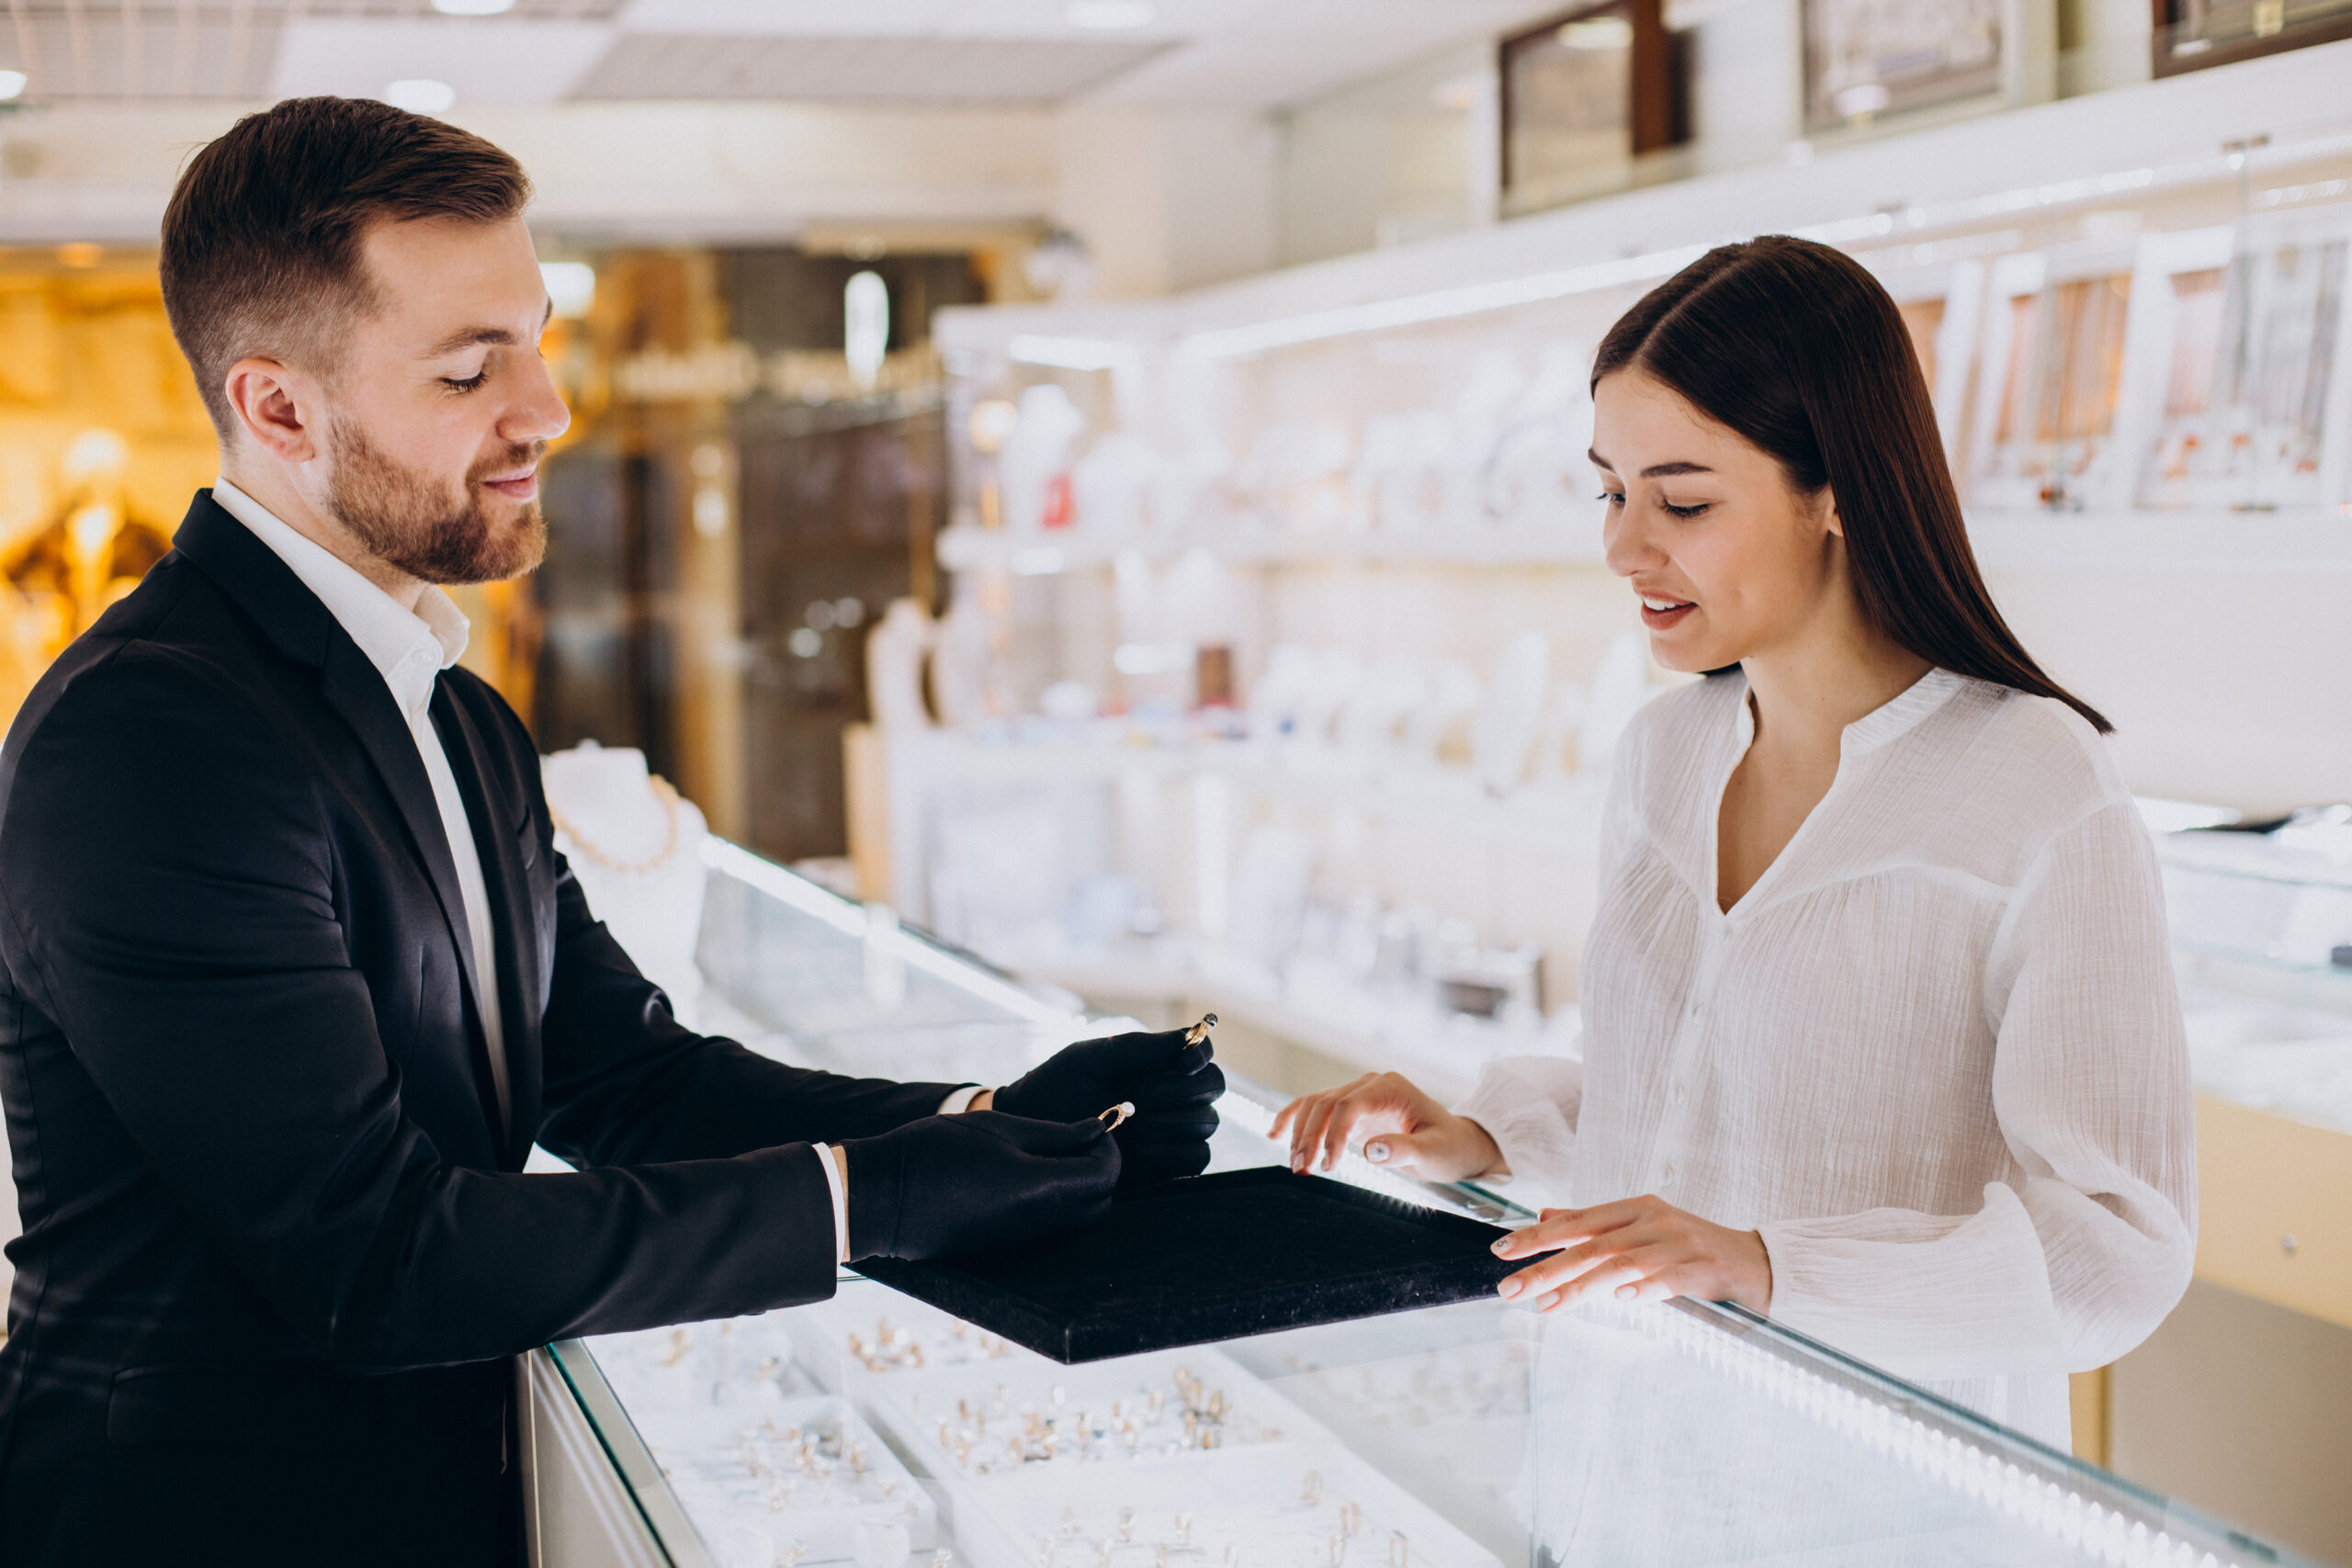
(1864,735)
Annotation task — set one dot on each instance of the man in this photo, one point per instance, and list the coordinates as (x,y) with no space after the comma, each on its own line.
(292,977)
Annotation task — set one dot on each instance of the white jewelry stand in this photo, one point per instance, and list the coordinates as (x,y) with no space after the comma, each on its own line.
(636,849)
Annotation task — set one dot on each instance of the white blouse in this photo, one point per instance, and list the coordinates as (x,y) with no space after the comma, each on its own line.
(1935,1056)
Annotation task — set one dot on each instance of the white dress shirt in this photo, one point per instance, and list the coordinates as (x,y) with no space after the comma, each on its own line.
(1935,1056)
(410,650)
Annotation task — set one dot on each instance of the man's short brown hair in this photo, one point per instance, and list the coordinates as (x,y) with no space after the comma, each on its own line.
(262,240)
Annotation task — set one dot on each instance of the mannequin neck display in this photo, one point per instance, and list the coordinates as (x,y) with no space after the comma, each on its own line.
(615,813)
(636,849)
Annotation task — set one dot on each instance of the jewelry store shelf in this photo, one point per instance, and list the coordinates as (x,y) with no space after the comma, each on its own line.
(964,548)
(2309,538)
(1444,1055)
(1548,817)
(2305,540)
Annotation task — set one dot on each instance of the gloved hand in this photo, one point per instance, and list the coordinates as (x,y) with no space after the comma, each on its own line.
(970,1183)
(1172,1085)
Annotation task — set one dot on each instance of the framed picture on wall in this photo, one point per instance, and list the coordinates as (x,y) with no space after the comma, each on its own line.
(1866,58)
(1583,96)
(1941,303)
(2192,34)
(2247,343)
(2050,383)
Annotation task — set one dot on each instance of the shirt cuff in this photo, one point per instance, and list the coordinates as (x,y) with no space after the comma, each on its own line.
(961,1101)
(841,1201)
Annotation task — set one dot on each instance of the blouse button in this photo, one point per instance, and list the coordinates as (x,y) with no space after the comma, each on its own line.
(1666,1173)
(1682,1090)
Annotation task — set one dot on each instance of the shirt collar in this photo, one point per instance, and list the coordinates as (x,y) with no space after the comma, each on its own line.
(1882,723)
(409,649)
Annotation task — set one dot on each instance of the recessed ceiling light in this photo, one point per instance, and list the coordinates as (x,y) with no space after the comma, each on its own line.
(473,7)
(1109,15)
(12,85)
(420,95)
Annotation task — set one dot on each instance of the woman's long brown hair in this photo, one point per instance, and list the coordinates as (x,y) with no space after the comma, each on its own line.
(1796,347)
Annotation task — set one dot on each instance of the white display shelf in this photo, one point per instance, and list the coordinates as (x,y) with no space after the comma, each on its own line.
(739,1433)
(2308,539)
(867,1331)
(1283,1506)
(977,1422)
(1547,817)
(2104,150)
(966,549)
(1444,1055)
(2138,538)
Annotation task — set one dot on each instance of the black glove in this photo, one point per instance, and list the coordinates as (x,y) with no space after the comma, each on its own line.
(974,1182)
(1172,1085)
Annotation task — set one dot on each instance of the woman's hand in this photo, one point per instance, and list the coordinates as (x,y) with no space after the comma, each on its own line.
(1400,1126)
(1642,1249)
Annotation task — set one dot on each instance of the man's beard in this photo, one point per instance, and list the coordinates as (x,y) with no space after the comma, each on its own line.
(406,520)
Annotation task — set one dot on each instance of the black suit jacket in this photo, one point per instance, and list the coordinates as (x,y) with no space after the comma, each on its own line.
(277,1243)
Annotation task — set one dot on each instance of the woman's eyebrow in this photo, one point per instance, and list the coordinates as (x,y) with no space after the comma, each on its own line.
(1656,470)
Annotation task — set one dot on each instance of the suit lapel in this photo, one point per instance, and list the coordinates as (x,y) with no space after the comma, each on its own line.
(290,615)
(509,889)
(356,690)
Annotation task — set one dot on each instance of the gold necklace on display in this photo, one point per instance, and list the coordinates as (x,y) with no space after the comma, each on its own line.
(594,856)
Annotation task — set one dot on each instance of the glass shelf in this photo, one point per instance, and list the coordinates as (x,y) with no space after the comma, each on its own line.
(871,1428)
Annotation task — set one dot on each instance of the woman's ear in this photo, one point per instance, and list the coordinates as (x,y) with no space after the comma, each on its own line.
(1827,501)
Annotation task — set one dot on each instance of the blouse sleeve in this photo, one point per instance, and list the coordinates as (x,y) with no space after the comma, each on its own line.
(2080,1253)
(1528,1105)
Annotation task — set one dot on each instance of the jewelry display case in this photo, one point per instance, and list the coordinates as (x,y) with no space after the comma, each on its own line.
(869,1428)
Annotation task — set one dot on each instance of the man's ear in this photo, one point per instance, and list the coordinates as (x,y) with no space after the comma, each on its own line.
(276,408)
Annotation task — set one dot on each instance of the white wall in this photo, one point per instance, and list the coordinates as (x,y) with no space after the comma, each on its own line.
(2227,684)
(1167,200)
(1397,157)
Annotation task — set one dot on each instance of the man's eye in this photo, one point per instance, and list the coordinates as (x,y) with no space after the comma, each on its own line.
(465,384)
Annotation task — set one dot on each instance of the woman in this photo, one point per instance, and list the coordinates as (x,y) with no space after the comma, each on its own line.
(1880,1030)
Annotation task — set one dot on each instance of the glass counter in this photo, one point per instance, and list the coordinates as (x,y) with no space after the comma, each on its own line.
(2262,938)
(874,1429)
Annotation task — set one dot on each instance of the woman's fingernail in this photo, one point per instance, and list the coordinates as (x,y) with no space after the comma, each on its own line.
(1502,1248)
(1376,1153)
(1626,1293)
(1547,1302)
(1508,1289)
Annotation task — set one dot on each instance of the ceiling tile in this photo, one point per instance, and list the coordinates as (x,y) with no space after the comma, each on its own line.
(488,60)
(877,70)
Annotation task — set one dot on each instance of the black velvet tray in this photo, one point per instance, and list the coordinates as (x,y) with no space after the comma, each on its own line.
(1213,1258)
